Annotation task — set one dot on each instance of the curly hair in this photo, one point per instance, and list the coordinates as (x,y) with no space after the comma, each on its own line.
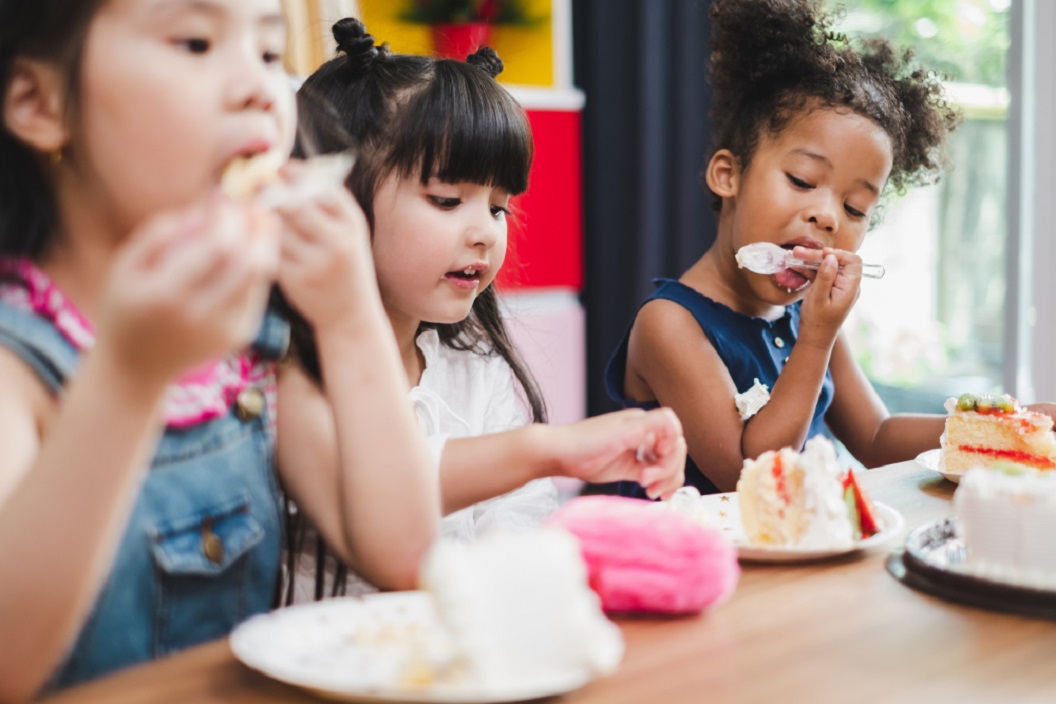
(773,59)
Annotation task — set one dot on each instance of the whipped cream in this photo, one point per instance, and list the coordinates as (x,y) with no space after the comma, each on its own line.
(687,502)
(751,401)
(829,525)
(761,257)
(520,609)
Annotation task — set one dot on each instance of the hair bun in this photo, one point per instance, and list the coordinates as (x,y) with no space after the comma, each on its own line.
(486,58)
(358,46)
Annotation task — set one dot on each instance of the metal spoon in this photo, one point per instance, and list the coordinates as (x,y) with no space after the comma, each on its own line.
(769,258)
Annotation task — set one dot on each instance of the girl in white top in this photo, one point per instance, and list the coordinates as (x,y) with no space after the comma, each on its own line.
(463,394)
(442,147)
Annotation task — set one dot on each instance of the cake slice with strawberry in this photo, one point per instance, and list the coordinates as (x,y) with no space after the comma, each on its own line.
(803,500)
(860,509)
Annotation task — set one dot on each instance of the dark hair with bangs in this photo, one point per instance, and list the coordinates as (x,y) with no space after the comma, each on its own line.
(422,117)
(773,59)
(414,116)
(48,30)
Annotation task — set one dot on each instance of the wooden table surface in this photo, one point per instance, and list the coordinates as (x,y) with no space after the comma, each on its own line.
(836,631)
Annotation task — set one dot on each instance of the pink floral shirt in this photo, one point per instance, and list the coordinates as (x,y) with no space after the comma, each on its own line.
(202,394)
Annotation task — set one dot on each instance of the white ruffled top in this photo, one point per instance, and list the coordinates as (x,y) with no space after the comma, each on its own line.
(464,394)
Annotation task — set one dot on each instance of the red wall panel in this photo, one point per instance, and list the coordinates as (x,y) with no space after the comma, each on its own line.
(546,233)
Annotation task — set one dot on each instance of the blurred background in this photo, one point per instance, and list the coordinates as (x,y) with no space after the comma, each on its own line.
(618,98)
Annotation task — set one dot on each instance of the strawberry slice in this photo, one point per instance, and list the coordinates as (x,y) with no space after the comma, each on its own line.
(866,511)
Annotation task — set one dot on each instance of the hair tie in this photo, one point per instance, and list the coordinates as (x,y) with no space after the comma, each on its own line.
(358,46)
(486,58)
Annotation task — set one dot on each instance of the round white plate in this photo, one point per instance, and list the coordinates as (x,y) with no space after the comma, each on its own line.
(929,459)
(725,511)
(359,648)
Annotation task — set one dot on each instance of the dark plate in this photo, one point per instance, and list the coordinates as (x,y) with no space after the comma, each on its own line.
(933,561)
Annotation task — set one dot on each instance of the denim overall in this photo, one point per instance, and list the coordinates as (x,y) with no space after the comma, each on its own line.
(201,550)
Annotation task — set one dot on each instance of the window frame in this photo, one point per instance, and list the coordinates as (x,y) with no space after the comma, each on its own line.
(1030,305)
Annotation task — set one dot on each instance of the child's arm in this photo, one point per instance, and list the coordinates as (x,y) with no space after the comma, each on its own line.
(184,290)
(672,361)
(859,419)
(600,449)
(351,456)
(64,506)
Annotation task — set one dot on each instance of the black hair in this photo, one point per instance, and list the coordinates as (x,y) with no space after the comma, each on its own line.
(51,30)
(425,117)
(772,59)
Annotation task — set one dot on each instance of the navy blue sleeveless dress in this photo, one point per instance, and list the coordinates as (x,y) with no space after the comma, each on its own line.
(751,348)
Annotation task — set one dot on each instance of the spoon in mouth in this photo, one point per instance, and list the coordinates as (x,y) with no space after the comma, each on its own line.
(769,258)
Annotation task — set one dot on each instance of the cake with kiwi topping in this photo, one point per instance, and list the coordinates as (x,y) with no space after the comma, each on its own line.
(984,429)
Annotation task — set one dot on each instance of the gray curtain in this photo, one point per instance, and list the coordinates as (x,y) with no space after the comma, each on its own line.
(643,67)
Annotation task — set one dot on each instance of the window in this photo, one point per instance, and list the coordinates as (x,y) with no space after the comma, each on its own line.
(936,325)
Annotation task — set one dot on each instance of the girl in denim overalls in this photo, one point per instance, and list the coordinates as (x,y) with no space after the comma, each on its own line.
(140,457)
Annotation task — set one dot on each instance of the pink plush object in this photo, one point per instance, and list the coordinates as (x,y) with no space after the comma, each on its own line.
(642,558)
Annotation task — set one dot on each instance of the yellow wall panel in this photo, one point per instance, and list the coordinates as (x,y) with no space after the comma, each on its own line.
(527,52)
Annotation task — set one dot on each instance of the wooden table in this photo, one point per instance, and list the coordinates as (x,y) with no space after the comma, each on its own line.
(838,631)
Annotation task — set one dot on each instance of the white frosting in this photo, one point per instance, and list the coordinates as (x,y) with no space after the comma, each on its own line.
(762,258)
(751,401)
(687,502)
(519,607)
(829,525)
(1007,522)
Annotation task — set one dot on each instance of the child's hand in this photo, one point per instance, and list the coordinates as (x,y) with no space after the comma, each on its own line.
(635,445)
(326,265)
(830,297)
(1048,409)
(187,288)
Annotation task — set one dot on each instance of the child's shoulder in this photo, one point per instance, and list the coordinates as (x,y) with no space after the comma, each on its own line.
(675,302)
(662,324)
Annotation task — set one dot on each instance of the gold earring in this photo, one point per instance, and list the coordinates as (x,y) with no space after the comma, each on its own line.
(56,156)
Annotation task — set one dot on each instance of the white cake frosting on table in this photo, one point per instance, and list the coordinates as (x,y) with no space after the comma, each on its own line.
(519,608)
(1006,518)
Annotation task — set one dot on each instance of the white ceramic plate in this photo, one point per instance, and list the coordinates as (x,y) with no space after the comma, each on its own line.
(724,510)
(929,459)
(369,649)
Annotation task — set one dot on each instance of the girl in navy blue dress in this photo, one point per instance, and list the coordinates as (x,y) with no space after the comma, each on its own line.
(810,132)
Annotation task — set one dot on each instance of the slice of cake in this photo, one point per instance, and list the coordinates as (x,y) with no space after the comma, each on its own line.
(519,608)
(803,500)
(983,429)
(245,176)
(1006,517)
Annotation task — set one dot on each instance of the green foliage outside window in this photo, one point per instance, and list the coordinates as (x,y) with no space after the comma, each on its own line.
(966,39)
